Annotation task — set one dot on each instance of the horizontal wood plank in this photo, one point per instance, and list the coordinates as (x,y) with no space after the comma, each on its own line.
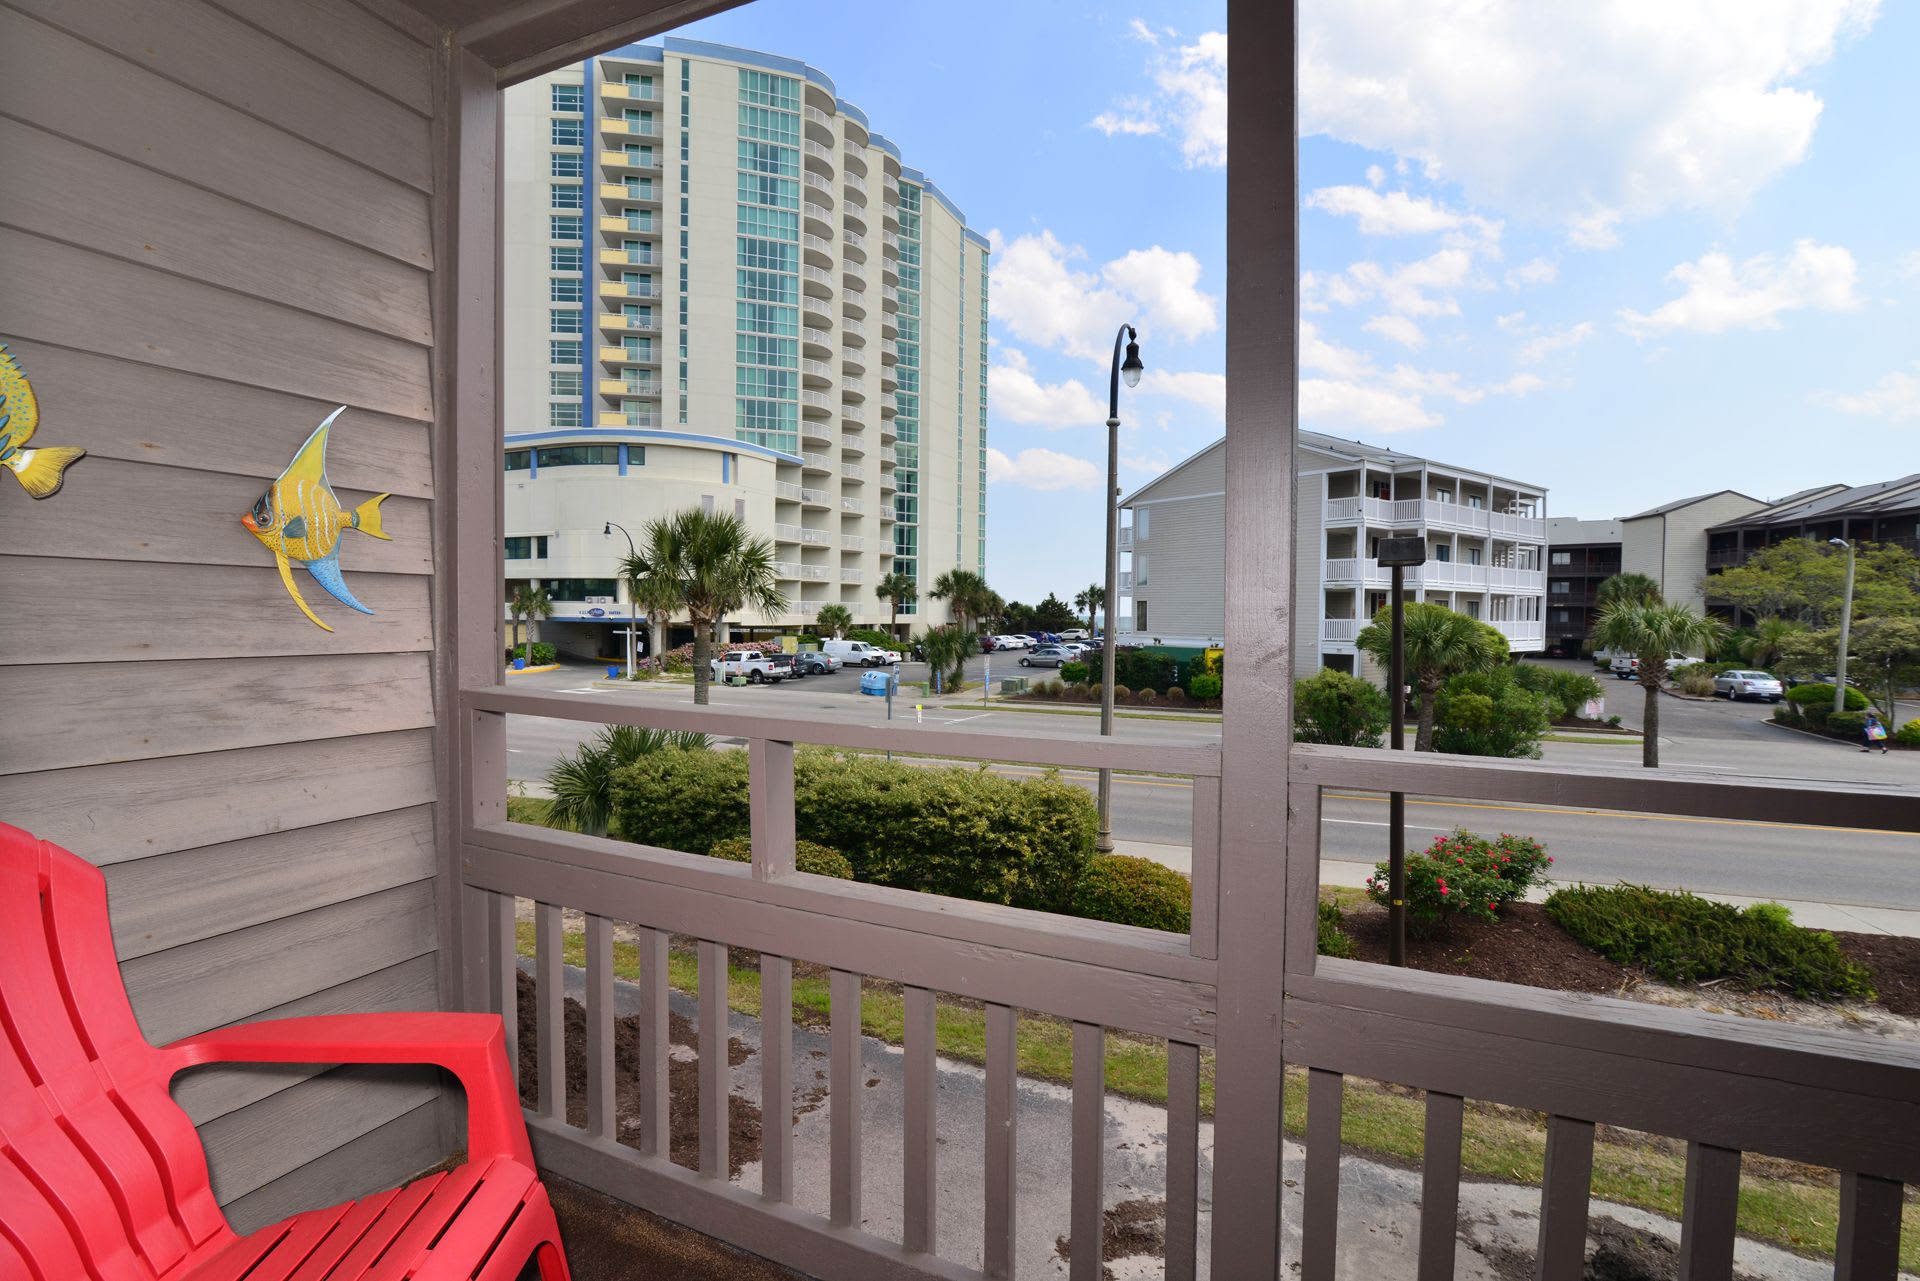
(78,298)
(194,44)
(208,1092)
(135,612)
(382,1158)
(176,516)
(351,41)
(115,408)
(156,220)
(234,976)
(257,1144)
(61,83)
(114,813)
(189,895)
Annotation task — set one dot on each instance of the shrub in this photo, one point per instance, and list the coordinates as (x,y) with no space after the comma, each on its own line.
(1134,891)
(1438,892)
(1682,938)
(1908,735)
(1489,714)
(1340,710)
(1146,697)
(1177,697)
(1851,724)
(1333,940)
(542,655)
(1696,680)
(1142,669)
(1121,694)
(875,637)
(1820,694)
(1205,687)
(1074,673)
(1518,862)
(808,856)
(1566,692)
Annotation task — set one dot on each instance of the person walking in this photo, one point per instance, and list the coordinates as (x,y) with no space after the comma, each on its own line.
(1873,734)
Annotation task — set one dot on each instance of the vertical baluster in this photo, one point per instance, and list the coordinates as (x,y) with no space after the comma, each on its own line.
(601,1121)
(1003,1092)
(1089,1149)
(716,1074)
(476,948)
(845,1080)
(1711,1208)
(549,1014)
(503,972)
(917,1158)
(1868,1247)
(654,1135)
(1320,1211)
(776,1078)
(1303,878)
(1204,932)
(1183,1159)
(1440,1187)
(770,807)
(1562,1250)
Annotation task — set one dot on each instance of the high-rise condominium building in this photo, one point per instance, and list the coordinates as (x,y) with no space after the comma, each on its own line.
(725,289)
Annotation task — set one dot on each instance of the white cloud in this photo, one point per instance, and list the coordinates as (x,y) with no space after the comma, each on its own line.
(1405,289)
(1397,329)
(1209,391)
(1395,213)
(1191,99)
(1134,116)
(1018,396)
(1588,114)
(1718,295)
(1328,402)
(1353,393)
(1540,341)
(1043,469)
(1541,271)
(1896,398)
(1376,176)
(1043,298)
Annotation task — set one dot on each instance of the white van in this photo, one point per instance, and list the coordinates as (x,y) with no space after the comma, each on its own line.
(851,652)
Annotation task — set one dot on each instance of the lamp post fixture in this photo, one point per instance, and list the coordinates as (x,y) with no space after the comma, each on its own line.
(1131,370)
(1398,553)
(1846,626)
(633,617)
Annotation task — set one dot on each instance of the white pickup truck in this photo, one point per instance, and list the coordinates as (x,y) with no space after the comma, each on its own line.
(756,667)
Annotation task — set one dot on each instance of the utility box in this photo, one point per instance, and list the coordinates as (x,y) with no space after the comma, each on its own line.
(1013,685)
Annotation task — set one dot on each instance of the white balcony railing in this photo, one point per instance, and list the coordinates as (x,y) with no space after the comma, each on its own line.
(849,575)
(1126,537)
(786,489)
(1440,515)
(1339,629)
(797,534)
(1126,578)
(853,471)
(853,505)
(852,543)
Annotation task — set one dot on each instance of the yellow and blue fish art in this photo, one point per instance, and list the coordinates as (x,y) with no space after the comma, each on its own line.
(39,471)
(300,519)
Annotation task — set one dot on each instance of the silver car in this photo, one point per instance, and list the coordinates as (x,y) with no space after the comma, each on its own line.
(1739,685)
(1046,656)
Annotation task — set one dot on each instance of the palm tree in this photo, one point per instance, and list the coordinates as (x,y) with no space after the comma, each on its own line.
(1093,599)
(716,567)
(1437,644)
(1652,631)
(1637,588)
(1769,643)
(897,589)
(947,649)
(835,618)
(533,604)
(653,594)
(968,597)
(582,784)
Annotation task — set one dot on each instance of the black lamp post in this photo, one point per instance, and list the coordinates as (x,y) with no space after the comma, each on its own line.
(1130,370)
(633,616)
(1398,554)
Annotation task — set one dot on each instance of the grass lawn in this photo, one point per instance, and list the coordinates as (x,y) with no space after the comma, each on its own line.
(1385,1121)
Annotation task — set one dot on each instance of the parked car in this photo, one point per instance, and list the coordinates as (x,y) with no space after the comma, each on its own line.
(1012,642)
(1046,656)
(1739,685)
(755,666)
(1627,666)
(814,663)
(1075,634)
(853,652)
(784,666)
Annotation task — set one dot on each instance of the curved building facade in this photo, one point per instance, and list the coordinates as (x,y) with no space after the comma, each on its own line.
(723,288)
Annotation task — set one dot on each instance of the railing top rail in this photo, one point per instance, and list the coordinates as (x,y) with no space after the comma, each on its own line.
(1804,802)
(1113,753)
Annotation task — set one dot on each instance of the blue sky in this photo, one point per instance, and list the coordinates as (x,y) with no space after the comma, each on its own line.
(1629,252)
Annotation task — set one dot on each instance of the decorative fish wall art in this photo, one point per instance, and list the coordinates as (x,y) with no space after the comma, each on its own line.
(39,471)
(300,519)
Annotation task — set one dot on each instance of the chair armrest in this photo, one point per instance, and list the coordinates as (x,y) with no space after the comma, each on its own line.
(471,1046)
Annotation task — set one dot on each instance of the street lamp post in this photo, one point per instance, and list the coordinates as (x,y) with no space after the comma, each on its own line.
(1846,626)
(1131,370)
(633,607)
(1398,553)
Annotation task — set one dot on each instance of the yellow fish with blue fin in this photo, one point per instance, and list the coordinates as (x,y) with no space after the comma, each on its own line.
(299,518)
(40,471)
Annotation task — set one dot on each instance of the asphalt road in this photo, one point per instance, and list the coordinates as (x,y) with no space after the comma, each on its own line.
(1837,865)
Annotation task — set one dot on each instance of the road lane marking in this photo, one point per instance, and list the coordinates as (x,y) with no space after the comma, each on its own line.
(1622,814)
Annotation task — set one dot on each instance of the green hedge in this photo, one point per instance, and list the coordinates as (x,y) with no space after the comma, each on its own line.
(1908,735)
(961,832)
(1807,697)
(1682,938)
(543,654)
(1074,673)
(808,856)
(1852,724)
(1134,891)
(1205,686)
(1334,939)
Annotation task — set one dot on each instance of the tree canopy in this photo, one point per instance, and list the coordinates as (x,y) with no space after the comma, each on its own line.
(1803,580)
(1437,643)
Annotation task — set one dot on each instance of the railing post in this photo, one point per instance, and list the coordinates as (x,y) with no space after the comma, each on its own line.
(770,807)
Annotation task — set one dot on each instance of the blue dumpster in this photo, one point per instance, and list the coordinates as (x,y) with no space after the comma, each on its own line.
(519,664)
(613,672)
(875,682)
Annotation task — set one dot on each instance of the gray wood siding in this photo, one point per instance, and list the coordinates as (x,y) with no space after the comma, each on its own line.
(217,227)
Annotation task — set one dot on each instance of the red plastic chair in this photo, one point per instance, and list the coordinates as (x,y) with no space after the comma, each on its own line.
(103,1177)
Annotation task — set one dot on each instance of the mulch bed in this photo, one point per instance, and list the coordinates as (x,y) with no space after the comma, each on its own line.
(1527,948)
(609,1240)
(1132,1229)
(683,1081)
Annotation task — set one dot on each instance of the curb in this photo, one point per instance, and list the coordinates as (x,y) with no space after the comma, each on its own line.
(1828,738)
(533,671)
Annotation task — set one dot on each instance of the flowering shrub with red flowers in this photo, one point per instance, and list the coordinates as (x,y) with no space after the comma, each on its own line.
(1464,875)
